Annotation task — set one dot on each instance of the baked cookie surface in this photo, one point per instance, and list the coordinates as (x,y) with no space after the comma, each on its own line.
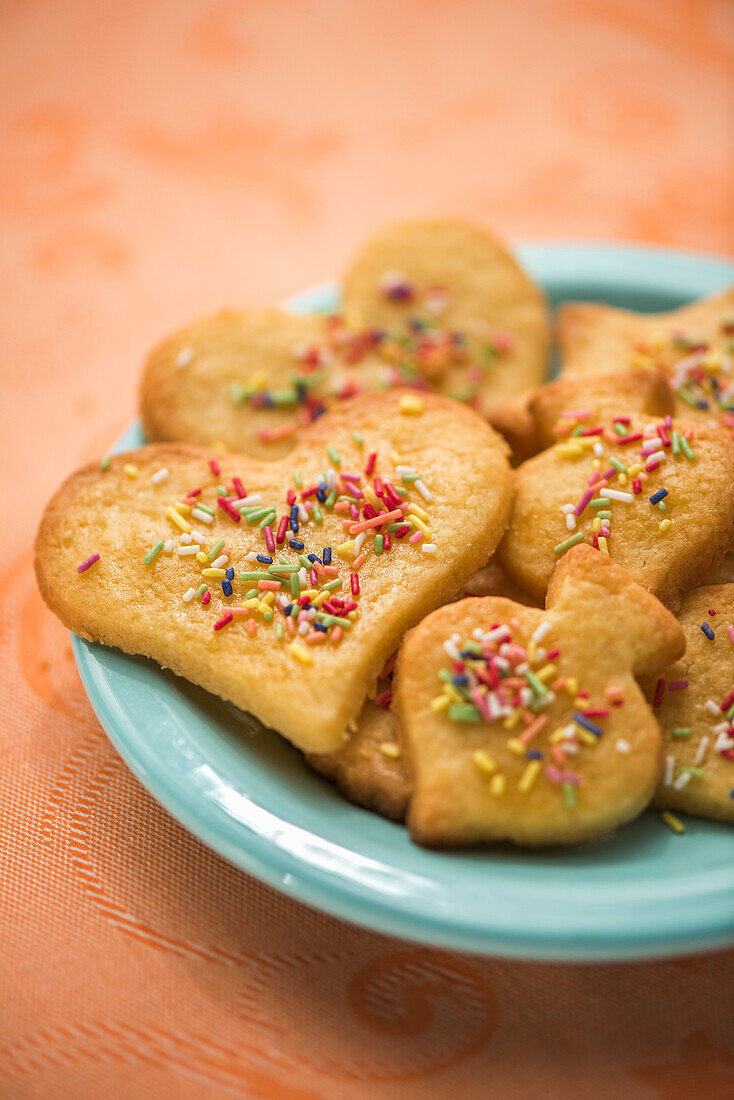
(693,700)
(118,557)
(455,304)
(528,725)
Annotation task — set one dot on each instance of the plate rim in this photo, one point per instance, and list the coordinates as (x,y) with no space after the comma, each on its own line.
(306,883)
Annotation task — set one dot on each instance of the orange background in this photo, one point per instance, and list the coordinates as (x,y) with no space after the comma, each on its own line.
(160,159)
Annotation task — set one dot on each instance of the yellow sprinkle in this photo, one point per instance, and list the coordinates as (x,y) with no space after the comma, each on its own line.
(180,522)
(395,459)
(665,524)
(596,524)
(300,653)
(441,702)
(372,497)
(411,406)
(454,694)
(253,602)
(557,736)
(345,550)
(531,650)
(547,672)
(352,615)
(262,607)
(183,509)
(416,510)
(572,685)
(633,471)
(201,556)
(418,522)
(529,777)
(596,464)
(603,545)
(215,574)
(311,594)
(258,381)
(268,598)
(318,600)
(511,720)
(516,746)
(390,749)
(622,479)
(130,470)
(569,450)
(484,762)
(674,823)
(586,737)
(220,446)
(497,785)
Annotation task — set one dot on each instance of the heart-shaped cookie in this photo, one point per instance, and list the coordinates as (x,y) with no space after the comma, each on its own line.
(692,346)
(528,725)
(369,768)
(655,494)
(455,304)
(693,701)
(408,495)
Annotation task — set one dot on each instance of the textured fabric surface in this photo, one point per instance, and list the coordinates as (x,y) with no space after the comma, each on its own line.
(160,159)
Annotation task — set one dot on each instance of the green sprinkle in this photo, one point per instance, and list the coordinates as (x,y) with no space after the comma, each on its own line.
(445,675)
(358,438)
(463,712)
(675,440)
(686,448)
(238,393)
(574,540)
(284,560)
(661,506)
(335,620)
(379,544)
(317,514)
(295,585)
(279,631)
(537,685)
(681,732)
(204,508)
(216,550)
(267,616)
(685,395)
(695,773)
(333,455)
(332,586)
(104,464)
(298,479)
(253,578)
(620,429)
(618,466)
(577,431)
(730,713)
(569,795)
(251,593)
(397,526)
(604,515)
(153,552)
(268,519)
(307,565)
(598,502)
(256,514)
(410,479)
(221,491)
(201,590)
(277,569)
(330,498)
(284,397)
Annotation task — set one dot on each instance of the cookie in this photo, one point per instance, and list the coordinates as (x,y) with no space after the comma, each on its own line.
(693,700)
(527,725)
(655,494)
(369,768)
(409,495)
(251,380)
(692,346)
(455,305)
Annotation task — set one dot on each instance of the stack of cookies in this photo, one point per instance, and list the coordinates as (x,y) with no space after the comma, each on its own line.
(491,606)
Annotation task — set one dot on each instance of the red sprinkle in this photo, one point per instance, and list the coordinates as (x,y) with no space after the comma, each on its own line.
(625,439)
(226,618)
(711,611)
(269,540)
(636,486)
(226,506)
(370,463)
(214,467)
(659,689)
(354,580)
(728,701)
(386,543)
(402,531)
(677,685)
(282,528)
(206,598)
(239,488)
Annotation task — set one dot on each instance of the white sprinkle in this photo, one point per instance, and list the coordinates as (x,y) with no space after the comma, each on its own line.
(241,501)
(184,357)
(220,562)
(189,595)
(616,494)
(303,516)
(402,470)
(721,727)
(540,653)
(303,576)
(656,456)
(492,635)
(569,732)
(168,546)
(540,631)
(683,778)
(159,476)
(203,517)
(669,768)
(703,744)
(621,745)
(331,478)
(359,543)
(187,551)
(425,493)
(198,537)
(566,508)
(723,742)
(570,522)
(428,547)
(252,556)
(304,627)
(598,449)
(253,499)
(713,708)
(186,538)
(571,747)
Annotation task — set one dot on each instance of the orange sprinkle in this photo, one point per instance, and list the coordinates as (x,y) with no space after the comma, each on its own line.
(341,506)
(316,638)
(272,586)
(559,684)
(251,626)
(360,560)
(331,571)
(290,625)
(533,729)
(337,633)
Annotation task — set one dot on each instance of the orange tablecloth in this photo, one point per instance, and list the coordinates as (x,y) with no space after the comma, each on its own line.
(160,159)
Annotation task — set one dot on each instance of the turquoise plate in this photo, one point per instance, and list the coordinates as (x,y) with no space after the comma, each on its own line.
(639,892)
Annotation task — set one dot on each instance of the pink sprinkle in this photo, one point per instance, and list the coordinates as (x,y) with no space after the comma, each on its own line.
(625,439)
(351,477)
(384,699)
(214,467)
(552,654)
(291,497)
(659,689)
(652,466)
(402,531)
(227,507)
(206,598)
(668,422)
(226,618)
(575,414)
(269,540)
(730,633)
(313,578)
(88,563)
(677,685)
(588,495)
(553,774)
(728,701)
(663,436)
(354,580)
(570,777)
(728,753)
(193,493)
(592,431)
(622,420)
(239,488)
(370,464)
(415,537)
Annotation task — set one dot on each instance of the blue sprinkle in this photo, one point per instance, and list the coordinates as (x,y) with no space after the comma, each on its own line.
(321,628)
(265,559)
(321,496)
(227,588)
(295,544)
(587,724)
(534,754)
(294,519)
(708,631)
(731,793)
(287,609)
(313,558)
(229,572)
(660,495)
(460,680)
(327,555)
